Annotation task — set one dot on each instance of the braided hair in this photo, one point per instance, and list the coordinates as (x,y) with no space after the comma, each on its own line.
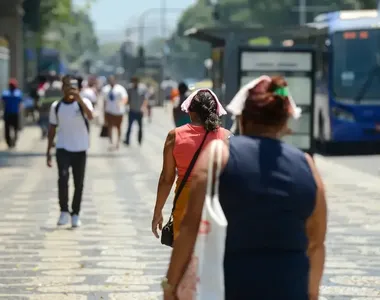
(205,106)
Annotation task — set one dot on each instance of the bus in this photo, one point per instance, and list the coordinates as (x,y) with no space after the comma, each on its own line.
(50,60)
(347,98)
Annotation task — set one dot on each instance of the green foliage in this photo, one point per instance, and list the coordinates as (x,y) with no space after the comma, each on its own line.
(54,11)
(72,29)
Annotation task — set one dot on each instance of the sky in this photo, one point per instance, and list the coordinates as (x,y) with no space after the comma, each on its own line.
(112,17)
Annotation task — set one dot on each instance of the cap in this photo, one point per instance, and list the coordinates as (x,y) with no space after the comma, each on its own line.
(13,81)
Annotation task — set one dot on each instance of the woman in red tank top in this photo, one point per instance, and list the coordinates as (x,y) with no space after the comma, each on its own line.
(181,144)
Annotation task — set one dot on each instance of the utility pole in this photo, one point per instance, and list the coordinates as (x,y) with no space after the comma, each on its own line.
(302,12)
(163,18)
(163,34)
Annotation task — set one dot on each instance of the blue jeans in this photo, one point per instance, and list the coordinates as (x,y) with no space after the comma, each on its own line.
(132,117)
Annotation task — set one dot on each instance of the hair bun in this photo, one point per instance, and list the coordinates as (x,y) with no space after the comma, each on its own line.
(264,106)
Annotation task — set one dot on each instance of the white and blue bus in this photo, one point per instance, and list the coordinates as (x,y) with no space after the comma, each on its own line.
(347,100)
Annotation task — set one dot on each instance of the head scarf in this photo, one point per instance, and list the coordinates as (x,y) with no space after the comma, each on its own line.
(237,104)
(186,104)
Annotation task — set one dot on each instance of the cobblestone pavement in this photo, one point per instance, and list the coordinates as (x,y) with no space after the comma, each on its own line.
(114,255)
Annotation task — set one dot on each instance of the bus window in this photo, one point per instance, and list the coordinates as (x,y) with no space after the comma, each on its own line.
(355,57)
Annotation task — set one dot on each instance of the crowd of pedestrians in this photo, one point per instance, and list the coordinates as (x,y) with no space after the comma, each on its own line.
(271,193)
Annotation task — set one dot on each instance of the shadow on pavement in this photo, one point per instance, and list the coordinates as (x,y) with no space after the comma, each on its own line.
(22,154)
(14,158)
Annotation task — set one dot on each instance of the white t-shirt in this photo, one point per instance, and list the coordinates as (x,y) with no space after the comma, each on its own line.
(90,94)
(72,133)
(113,99)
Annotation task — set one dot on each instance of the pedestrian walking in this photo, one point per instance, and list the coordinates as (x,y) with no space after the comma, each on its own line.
(89,91)
(12,101)
(182,147)
(151,96)
(138,104)
(273,198)
(180,117)
(115,99)
(167,86)
(69,117)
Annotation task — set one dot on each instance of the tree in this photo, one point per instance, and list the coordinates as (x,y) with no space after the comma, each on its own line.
(67,29)
(54,11)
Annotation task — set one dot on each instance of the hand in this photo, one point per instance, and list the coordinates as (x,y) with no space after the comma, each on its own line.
(157,222)
(170,295)
(76,95)
(48,160)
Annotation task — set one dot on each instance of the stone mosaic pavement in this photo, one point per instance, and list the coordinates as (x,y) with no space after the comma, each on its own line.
(114,255)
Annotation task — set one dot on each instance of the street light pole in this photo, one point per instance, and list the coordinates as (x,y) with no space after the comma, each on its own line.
(302,12)
(163,18)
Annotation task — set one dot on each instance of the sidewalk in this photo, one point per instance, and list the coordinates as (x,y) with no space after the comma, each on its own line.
(115,256)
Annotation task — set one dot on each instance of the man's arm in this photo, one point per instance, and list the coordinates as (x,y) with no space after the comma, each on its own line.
(145,103)
(51,136)
(125,98)
(51,132)
(87,107)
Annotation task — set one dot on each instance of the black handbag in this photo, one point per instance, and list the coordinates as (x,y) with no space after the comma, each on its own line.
(104,131)
(167,234)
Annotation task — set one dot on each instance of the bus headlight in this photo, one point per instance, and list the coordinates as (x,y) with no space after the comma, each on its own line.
(343,115)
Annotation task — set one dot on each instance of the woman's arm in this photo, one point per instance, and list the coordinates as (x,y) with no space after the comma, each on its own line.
(316,232)
(165,182)
(184,244)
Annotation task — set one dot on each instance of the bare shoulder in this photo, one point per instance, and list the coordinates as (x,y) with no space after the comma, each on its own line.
(170,139)
(309,159)
(314,169)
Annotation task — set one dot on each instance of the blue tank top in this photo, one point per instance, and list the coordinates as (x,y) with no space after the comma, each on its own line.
(267,191)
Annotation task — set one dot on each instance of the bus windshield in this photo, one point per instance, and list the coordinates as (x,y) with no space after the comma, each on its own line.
(356,55)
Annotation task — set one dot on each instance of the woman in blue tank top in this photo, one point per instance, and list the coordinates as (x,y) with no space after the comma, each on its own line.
(274,201)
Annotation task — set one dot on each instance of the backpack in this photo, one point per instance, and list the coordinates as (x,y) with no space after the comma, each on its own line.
(81,112)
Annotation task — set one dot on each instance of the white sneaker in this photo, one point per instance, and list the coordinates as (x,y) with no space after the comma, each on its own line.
(64,218)
(75,221)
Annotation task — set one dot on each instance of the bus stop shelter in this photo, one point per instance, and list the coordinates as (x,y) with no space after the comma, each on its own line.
(236,61)
(225,43)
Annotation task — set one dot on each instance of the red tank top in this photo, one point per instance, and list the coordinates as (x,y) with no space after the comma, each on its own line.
(188,138)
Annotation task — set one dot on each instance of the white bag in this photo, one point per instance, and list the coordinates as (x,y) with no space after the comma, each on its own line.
(204,277)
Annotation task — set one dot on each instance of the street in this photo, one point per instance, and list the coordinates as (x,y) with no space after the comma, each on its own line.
(114,254)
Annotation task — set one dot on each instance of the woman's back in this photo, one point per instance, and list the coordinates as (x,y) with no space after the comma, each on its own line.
(267,192)
(188,138)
